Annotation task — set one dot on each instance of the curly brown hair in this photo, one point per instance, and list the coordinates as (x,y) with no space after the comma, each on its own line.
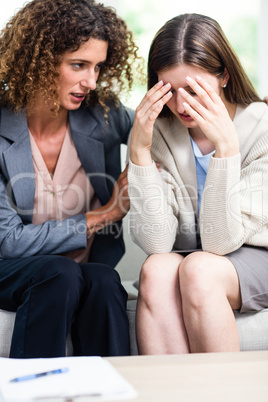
(34,40)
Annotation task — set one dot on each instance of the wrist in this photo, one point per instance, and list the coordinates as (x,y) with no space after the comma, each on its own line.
(97,219)
(226,150)
(141,157)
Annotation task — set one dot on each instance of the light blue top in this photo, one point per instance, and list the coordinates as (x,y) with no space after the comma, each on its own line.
(201,162)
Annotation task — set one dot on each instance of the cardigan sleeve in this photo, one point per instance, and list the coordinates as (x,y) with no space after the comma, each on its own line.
(153,210)
(234,209)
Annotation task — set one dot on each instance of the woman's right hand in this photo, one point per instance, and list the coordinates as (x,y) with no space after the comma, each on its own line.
(115,209)
(146,114)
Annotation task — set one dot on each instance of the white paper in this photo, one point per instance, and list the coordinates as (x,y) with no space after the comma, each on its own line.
(90,377)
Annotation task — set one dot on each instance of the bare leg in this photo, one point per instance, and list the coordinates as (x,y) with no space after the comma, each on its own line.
(210,291)
(159,322)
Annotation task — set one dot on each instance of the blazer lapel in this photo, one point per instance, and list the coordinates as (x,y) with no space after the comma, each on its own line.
(18,161)
(90,150)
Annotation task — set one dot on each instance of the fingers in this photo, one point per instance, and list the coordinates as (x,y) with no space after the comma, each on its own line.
(207,97)
(156,92)
(158,166)
(191,105)
(208,100)
(124,173)
(203,89)
(155,99)
(145,116)
(196,115)
(121,185)
(120,193)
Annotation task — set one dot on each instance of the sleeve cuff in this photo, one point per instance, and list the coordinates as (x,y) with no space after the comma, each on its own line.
(142,170)
(224,163)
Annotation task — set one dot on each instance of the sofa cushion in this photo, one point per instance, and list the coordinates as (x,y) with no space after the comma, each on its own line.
(7,320)
(253,330)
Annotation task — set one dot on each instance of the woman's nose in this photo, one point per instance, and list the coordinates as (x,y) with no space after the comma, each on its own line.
(90,80)
(179,103)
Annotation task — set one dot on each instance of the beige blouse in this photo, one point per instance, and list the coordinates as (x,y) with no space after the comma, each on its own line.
(68,192)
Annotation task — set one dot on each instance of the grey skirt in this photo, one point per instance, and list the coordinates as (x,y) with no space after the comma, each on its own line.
(251,264)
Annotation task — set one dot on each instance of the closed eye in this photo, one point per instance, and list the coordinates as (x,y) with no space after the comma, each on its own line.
(190,91)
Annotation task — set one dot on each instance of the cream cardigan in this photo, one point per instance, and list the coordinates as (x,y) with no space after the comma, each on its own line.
(234,208)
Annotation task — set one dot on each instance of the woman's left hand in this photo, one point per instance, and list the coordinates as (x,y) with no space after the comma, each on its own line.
(211,116)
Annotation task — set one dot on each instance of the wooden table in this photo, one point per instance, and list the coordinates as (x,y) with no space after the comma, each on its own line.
(215,377)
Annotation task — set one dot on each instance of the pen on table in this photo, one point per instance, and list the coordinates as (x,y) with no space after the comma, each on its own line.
(38,375)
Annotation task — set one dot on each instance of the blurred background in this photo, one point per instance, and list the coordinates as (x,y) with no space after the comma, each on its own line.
(245,23)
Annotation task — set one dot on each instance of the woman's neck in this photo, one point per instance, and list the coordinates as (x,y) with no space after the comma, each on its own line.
(203,143)
(42,124)
(49,133)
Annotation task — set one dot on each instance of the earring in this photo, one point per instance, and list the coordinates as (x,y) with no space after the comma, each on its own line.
(224,86)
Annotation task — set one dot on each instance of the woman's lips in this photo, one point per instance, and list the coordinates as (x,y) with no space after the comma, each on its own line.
(186,117)
(78,97)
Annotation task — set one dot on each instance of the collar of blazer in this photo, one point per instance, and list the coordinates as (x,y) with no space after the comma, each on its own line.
(18,161)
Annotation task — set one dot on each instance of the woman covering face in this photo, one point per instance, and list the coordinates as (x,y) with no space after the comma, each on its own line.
(201,217)
(63,65)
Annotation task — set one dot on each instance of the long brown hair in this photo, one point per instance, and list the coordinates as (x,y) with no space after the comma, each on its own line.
(199,41)
(34,40)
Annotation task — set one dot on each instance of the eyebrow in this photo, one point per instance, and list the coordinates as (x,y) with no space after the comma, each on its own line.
(85,61)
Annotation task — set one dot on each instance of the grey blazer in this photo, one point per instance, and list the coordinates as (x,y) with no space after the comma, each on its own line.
(98,147)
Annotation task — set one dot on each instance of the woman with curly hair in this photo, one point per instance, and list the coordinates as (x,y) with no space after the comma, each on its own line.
(63,64)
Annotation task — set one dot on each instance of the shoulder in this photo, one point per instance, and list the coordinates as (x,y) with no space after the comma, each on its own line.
(255,112)
(117,114)
(117,123)
(13,126)
(251,123)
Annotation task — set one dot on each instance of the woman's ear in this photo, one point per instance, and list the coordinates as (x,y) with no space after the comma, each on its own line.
(225,78)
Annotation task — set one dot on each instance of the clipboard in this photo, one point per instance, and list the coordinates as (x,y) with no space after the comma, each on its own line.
(83,377)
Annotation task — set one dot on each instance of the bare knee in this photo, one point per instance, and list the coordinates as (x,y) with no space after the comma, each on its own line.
(150,276)
(197,281)
(158,274)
